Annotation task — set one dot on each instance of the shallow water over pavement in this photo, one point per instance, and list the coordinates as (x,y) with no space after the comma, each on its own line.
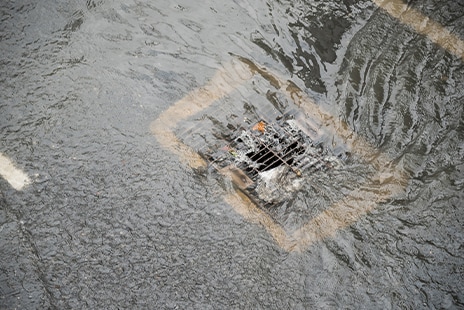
(112,219)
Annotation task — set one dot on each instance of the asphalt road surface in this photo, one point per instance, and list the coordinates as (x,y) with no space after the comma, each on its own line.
(103,206)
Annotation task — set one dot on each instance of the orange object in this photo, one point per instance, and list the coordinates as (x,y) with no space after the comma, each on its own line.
(261,126)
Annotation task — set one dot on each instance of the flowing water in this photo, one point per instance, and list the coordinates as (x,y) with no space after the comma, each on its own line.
(114,219)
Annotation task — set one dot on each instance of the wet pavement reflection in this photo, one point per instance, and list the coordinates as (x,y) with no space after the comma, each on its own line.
(121,211)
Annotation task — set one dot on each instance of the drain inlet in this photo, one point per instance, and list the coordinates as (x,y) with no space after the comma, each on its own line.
(267,159)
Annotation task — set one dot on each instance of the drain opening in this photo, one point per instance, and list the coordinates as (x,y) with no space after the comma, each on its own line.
(268,161)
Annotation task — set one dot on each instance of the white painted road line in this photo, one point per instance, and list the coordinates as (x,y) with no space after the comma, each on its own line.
(17,178)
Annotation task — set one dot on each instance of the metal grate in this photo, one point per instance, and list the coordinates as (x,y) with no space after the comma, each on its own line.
(268,160)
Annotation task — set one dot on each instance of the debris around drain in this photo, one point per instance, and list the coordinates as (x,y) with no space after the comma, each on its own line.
(260,126)
(238,177)
(268,160)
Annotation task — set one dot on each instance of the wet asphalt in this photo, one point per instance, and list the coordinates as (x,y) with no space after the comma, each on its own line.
(112,219)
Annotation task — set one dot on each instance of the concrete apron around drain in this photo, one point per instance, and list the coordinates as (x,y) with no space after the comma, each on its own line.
(246,167)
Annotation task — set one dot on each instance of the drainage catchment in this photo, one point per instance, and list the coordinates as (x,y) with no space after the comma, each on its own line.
(269,160)
(281,154)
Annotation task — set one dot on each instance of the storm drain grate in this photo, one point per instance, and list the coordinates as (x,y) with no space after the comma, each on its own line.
(268,161)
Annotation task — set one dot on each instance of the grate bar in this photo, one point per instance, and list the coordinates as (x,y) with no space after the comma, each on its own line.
(296,171)
(284,156)
(250,151)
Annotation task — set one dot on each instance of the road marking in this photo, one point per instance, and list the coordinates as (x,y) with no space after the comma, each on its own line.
(423,25)
(17,178)
(389,180)
(223,82)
